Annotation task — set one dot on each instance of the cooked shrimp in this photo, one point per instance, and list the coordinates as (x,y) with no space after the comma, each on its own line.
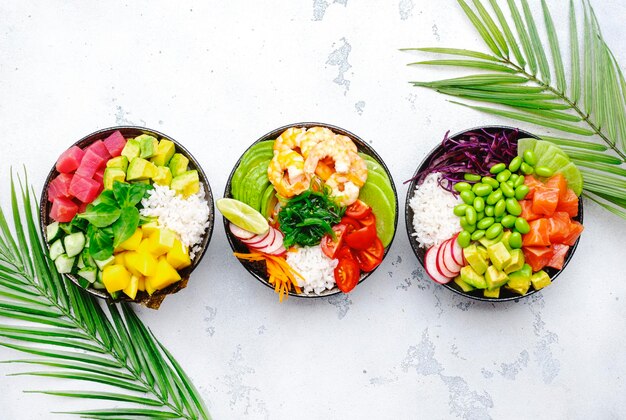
(337,154)
(342,190)
(313,137)
(289,139)
(347,142)
(286,173)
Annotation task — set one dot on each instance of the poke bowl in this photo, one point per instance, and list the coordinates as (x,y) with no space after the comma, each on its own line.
(310,210)
(127,213)
(494,213)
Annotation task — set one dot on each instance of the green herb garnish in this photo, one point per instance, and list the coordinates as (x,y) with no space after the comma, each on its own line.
(308,217)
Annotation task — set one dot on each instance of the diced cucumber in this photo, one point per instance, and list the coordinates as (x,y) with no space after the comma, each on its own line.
(83,282)
(64,264)
(74,244)
(80,264)
(66,227)
(87,258)
(53,232)
(56,249)
(103,263)
(98,285)
(90,274)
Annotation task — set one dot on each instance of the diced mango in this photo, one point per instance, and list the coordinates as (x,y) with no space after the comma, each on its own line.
(178,256)
(143,263)
(141,283)
(119,259)
(161,241)
(165,275)
(115,277)
(132,243)
(150,289)
(149,228)
(131,289)
(144,246)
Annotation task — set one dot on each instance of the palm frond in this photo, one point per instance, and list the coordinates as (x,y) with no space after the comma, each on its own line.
(534,90)
(74,339)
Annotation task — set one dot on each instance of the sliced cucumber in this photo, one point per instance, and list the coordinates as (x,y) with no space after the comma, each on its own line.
(87,258)
(56,249)
(103,263)
(98,285)
(66,227)
(89,273)
(53,232)
(74,244)
(80,264)
(64,264)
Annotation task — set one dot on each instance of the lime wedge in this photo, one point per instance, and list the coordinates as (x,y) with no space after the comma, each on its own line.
(242,215)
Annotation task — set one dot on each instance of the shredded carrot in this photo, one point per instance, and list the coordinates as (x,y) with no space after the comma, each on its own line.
(281,275)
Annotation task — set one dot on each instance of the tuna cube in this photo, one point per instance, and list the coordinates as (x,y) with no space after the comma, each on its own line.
(115,143)
(63,210)
(85,189)
(59,187)
(100,149)
(69,160)
(90,164)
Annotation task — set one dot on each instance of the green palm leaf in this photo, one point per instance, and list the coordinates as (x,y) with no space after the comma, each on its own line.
(593,106)
(70,334)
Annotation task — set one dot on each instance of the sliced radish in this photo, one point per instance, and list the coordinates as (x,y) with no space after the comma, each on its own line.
(430,264)
(457,252)
(256,239)
(268,240)
(280,251)
(440,263)
(240,233)
(275,245)
(448,258)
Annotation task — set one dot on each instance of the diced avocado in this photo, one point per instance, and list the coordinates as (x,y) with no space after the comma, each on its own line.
(186,183)
(178,164)
(517,261)
(165,151)
(141,181)
(471,277)
(540,280)
(120,162)
(111,175)
(103,263)
(475,259)
(492,293)
(147,145)
(486,242)
(495,278)
(140,169)
(505,240)
(464,286)
(482,251)
(131,150)
(163,176)
(519,281)
(499,255)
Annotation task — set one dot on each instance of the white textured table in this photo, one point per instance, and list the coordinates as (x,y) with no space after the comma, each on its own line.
(217,75)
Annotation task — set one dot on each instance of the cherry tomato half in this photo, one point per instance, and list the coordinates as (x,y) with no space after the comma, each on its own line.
(376,248)
(347,274)
(370,219)
(361,238)
(330,245)
(344,252)
(358,210)
(351,223)
(367,262)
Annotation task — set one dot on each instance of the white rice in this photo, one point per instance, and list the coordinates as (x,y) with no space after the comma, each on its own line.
(316,268)
(433,217)
(188,217)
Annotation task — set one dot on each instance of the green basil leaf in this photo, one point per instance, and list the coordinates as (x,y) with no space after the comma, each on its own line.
(129,195)
(106,197)
(100,243)
(126,225)
(101,215)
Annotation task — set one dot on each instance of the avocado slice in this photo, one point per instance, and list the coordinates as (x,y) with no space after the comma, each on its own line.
(492,293)
(505,240)
(140,169)
(163,176)
(517,261)
(164,152)
(488,242)
(254,184)
(186,184)
(464,286)
(131,150)
(540,280)
(382,183)
(519,281)
(499,255)
(495,278)
(384,211)
(120,162)
(111,175)
(259,153)
(178,164)
(471,277)
(268,201)
(475,259)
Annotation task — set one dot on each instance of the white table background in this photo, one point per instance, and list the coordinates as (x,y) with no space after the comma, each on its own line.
(217,75)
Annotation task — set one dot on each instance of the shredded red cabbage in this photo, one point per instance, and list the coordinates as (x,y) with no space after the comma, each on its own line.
(473,152)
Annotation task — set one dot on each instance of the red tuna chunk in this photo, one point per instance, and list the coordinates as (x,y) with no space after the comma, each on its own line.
(115,143)
(69,160)
(63,210)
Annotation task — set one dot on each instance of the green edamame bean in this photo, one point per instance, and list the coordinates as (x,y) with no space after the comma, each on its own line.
(494,197)
(530,157)
(503,176)
(508,221)
(515,240)
(479,204)
(526,168)
(468,197)
(485,223)
(499,219)
(493,231)
(471,177)
(477,235)
(464,239)
(480,216)
(544,171)
(515,163)
(499,208)
(510,184)
(481,189)
(521,192)
(466,226)
(489,211)
(462,186)
(490,181)
(522,226)
(497,168)
(470,216)
(459,210)
(513,178)
(507,190)
(513,207)
(520,181)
